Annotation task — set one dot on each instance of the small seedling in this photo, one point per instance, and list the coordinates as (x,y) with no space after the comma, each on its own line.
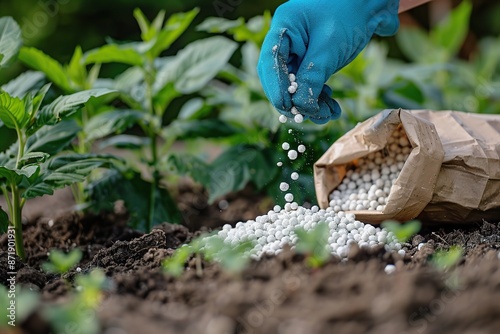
(447,259)
(314,244)
(174,265)
(80,312)
(402,232)
(60,262)
(233,259)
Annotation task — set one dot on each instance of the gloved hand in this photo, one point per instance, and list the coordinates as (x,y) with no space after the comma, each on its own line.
(314,39)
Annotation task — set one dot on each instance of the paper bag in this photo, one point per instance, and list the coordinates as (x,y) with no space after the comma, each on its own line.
(452,174)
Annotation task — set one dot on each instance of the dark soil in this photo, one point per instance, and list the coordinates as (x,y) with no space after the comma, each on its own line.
(275,295)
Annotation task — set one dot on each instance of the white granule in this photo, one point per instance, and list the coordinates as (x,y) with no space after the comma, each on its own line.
(279,164)
(291,77)
(294,111)
(283,119)
(301,148)
(285,146)
(292,154)
(292,89)
(298,118)
(284,186)
(289,197)
(271,232)
(294,176)
(275,48)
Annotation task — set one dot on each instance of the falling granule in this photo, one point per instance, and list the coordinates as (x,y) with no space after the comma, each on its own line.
(301,148)
(279,164)
(285,146)
(298,118)
(284,186)
(291,77)
(275,48)
(295,176)
(292,89)
(290,131)
(283,119)
(294,111)
(289,197)
(292,154)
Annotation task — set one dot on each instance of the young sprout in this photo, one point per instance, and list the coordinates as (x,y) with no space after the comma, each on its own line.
(446,259)
(232,258)
(60,262)
(402,232)
(314,244)
(174,265)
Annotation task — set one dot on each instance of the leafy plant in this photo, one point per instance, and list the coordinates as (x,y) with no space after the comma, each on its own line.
(148,87)
(232,258)
(60,262)
(447,259)
(402,232)
(31,166)
(80,311)
(314,244)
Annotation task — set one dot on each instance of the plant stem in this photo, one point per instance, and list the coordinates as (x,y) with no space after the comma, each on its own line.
(16,216)
(152,131)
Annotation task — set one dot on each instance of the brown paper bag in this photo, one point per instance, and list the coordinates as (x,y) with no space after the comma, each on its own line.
(452,174)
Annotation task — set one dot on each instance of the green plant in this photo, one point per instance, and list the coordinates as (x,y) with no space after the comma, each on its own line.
(60,262)
(148,87)
(402,232)
(31,166)
(80,312)
(314,244)
(233,258)
(447,259)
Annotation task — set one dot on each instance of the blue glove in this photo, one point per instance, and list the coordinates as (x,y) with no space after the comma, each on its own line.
(313,39)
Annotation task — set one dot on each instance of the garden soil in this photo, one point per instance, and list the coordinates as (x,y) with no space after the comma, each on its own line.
(275,295)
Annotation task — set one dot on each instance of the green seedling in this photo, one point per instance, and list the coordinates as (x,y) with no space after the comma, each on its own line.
(79,314)
(402,232)
(314,245)
(60,262)
(447,259)
(232,258)
(175,264)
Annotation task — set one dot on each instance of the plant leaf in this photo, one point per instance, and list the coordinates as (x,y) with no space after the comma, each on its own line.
(208,128)
(75,69)
(10,40)
(65,106)
(184,164)
(237,166)
(12,112)
(62,171)
(15,176)
(129,142)
(23,83)
(135,192)
(219,24)
(415,44)
(33,158)
(195,65)
(451,32)
(60,262)
(53,139)
(111,122)
(113,53)
(4,221)
(402,232)
(174,27)
(39,61)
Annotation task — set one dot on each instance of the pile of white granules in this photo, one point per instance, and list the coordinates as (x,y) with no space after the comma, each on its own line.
(366,186)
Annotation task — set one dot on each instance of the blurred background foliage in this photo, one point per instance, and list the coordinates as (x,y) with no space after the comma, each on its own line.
(58,26)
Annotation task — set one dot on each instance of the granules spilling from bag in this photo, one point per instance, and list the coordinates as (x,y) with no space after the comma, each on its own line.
(451,175)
